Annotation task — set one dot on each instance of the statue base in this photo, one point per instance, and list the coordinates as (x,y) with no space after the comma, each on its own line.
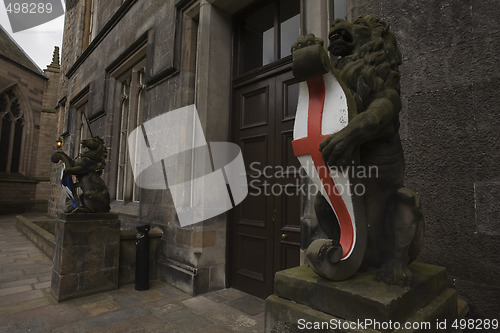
(304,300)
(86,255)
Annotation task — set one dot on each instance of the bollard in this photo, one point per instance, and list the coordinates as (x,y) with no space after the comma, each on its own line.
(142,257)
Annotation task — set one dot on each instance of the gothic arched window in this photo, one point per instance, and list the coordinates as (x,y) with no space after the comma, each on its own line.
(11,132)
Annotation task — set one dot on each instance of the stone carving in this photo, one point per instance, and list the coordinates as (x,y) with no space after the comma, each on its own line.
(87,169)
(365,61)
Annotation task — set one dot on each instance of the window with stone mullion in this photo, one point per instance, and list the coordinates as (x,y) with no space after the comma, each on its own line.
(121,184)
(132,103)
(138,120)
(11,133)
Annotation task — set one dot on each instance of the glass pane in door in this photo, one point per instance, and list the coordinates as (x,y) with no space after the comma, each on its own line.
(259,38)
(289,25)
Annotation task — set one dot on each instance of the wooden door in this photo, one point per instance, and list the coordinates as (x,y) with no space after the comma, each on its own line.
(265,229)
(289,203)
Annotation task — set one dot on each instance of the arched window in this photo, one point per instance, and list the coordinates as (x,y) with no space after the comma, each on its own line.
(11,132)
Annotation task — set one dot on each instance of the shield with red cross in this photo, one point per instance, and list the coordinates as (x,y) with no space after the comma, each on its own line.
(323,110)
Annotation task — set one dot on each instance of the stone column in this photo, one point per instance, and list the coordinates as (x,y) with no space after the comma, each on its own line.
(86,256)
(194,257)
(315,18)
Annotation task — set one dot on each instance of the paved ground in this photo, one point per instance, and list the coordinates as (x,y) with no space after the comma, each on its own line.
(27,306)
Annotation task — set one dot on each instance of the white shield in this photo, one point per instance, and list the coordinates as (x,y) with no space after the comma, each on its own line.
(322,110)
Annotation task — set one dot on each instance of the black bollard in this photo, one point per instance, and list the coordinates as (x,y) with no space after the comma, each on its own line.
(142,257)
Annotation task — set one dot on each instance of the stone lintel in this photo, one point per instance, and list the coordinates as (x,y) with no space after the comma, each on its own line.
(362,296)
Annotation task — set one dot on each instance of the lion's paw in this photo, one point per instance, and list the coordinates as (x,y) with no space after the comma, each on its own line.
(306,40)
(395,272)
(337,150)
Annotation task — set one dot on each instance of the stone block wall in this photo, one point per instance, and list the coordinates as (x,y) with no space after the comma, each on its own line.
(449,128)
(86,255)
(194,256)
(17,195)
(46,144)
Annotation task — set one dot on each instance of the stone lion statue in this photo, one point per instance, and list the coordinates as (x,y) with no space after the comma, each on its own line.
(365,59)
(87,169)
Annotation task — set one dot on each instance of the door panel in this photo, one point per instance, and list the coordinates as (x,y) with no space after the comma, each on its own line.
(250,247)
(290,90)
(288,204)
(255,107)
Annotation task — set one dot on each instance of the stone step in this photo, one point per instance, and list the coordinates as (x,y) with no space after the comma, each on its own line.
(361,296)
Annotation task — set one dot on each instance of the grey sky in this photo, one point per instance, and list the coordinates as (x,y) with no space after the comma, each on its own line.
(37,42)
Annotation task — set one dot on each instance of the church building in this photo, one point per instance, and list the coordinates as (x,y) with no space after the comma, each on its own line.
(28,96)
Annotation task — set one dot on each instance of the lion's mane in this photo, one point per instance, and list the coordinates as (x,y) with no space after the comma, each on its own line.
(97,152)
(374,65)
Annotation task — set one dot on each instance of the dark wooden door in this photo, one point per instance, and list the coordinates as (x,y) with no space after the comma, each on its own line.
(265,228)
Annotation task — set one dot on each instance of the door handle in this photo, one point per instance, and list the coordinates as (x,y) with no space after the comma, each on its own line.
(284,236)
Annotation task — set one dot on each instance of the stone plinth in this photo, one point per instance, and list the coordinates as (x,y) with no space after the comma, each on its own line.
(301,294)
(86,256)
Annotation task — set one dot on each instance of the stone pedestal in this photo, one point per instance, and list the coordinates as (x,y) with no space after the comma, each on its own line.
(86,256)
(301,294)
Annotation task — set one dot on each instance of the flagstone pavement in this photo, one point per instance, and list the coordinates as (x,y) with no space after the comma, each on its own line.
(26,304)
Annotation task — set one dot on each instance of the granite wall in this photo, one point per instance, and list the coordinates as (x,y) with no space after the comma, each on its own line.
(450,130)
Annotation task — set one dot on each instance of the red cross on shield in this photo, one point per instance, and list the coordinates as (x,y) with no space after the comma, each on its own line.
(323,110)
